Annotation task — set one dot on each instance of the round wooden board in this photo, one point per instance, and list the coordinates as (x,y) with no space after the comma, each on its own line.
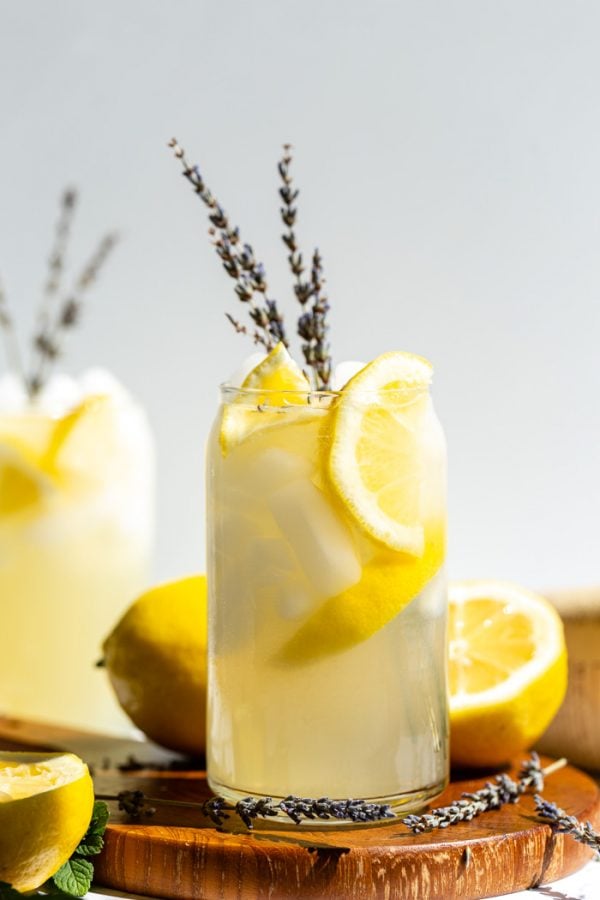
(177,854)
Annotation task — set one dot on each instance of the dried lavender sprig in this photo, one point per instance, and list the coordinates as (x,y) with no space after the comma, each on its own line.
(48,338)
(218,809)
(561,822)
(289,195)
(242,329)
(493,795)
(56,260)
(238,259)
(298,808)
(312,325)
(9,337)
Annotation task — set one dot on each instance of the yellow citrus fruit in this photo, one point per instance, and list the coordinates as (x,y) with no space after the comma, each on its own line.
(156,661)
(507,670)
(46,802)
(376,419)
(272,385)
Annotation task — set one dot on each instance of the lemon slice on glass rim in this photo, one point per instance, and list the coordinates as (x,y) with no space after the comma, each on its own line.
(46,803)
(275,383)
(375,426)
(507,670)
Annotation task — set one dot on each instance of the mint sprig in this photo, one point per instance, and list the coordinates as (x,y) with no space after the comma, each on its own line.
(74,878)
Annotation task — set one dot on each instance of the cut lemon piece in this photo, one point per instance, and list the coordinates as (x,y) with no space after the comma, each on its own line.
(275,383)
(23,484)
(507,669)
(46,803)
(377,462)
(387,585)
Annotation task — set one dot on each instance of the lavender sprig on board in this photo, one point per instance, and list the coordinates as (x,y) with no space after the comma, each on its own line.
(561,822)
(312,324)
(493,795)
(218,809)
(238,261)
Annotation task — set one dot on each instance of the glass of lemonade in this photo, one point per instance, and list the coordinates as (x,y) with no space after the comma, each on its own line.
(327,600)
(76,524)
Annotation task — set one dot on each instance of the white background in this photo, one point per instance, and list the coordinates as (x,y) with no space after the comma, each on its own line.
(449,156)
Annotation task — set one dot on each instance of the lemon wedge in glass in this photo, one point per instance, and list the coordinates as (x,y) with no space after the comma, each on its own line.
(276,383)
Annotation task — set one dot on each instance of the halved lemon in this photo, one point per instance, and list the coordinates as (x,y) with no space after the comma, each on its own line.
(272,386)
(46,802)
(376,462)
(507,670)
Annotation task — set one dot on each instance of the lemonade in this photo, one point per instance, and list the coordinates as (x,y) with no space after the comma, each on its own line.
(76,520)
(327,601)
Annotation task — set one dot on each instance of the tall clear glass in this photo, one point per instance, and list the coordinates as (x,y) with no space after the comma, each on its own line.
(76,526)
(327,648)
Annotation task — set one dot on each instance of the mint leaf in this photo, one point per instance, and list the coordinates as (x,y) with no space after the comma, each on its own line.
(75,877)
(99,818)
(92,842)
(90,845)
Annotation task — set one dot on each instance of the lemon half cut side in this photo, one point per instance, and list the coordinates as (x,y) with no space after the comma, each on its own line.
(507,670)
(46,803)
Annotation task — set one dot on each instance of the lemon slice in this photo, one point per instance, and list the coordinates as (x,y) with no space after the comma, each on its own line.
(507,670)
(376,426)
(23,484)
(46,802)
(272,386)
(386,586)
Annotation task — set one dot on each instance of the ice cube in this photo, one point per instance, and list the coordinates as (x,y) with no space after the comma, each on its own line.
(13,396)
(273,468)
(60,394)
(344,371)
(295,600)
(321,542)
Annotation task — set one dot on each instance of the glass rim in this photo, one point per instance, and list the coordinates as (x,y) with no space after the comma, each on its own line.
(228,390)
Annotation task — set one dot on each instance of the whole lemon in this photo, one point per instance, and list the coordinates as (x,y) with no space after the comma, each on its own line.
(46,802)
(156,660)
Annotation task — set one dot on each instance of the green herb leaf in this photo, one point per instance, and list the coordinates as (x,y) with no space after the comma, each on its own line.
(75,877)
(90,845)
(92,841)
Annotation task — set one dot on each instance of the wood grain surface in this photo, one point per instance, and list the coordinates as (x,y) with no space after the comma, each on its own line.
(177,854)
